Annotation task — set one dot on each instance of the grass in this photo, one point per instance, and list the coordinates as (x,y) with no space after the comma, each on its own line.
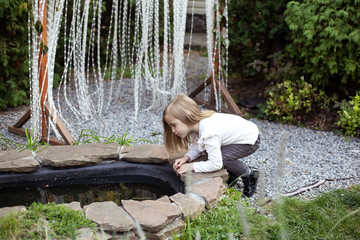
(333,215)
(88,136)
(32,142)
(49,221)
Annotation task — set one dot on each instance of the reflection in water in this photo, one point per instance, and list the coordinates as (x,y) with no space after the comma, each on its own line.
(85,194)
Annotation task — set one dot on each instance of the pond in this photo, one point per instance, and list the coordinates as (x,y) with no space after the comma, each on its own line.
(105,182)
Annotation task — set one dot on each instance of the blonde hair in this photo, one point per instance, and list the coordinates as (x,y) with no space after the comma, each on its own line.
(187,111)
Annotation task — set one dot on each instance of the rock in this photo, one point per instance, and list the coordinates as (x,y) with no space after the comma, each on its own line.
(85,234)
(151,153)
(109,216)
(81,155)
(210,190)
(8,210)
(74,206)
(195,177)
(190,207)
(177,226)
(101,235)
(164,199)
(15,161)
(147,153)
(151,215)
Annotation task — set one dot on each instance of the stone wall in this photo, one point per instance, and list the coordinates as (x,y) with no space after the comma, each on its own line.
(155,219)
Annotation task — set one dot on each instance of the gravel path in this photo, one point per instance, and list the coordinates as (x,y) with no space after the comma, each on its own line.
(289,157)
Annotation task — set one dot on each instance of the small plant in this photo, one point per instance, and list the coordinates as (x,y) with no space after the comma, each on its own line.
(88,136)
(291,101)
(350,115)
(32,143)
(9,144)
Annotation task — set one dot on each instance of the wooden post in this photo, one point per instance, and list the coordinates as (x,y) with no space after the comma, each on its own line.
(215,82)
(43,76)
(45,110)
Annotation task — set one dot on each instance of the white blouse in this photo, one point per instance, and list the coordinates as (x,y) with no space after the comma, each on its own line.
(220,129)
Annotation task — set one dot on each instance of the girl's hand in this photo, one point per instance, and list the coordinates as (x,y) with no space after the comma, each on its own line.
(185,168)
(179,162)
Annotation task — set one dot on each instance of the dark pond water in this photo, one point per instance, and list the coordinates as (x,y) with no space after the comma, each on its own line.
(109,182)
(85,194)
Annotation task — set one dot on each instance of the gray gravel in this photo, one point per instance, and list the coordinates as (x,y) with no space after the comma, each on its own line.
(289,157)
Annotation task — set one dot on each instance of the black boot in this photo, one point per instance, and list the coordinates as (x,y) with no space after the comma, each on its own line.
(250,182)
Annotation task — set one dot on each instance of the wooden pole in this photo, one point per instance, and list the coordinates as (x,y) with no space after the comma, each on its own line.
(43,76)
(45,110)
(215,82)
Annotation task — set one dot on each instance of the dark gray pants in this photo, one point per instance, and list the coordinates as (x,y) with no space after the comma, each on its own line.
(232,154)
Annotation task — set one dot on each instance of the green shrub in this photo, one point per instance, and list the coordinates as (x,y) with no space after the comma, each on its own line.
(350,115)
(290,101)
(14,66)
(326,40)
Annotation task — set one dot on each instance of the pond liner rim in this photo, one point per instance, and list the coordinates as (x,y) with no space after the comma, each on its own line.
(160,175)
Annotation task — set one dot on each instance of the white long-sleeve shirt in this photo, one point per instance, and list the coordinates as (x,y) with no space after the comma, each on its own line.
(220,129)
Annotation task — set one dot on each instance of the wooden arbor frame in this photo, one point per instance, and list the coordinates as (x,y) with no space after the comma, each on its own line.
(46,113)
(216,84)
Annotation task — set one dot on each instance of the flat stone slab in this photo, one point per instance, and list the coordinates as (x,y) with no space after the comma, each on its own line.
(151,153)
(74,206)
(109,216)
(210,190)
(81,155)
(11,210)
(190,207)
(166,233)
(195,177)
(152,215)
(147,153)
(15,161)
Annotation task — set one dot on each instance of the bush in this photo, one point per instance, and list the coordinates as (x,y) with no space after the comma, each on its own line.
(350,116)
(290,101)
(14,66)
(326,40)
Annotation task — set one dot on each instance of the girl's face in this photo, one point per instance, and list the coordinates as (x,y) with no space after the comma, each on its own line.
(179,128)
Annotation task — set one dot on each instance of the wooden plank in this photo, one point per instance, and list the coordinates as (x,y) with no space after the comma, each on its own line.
(60,125)
(228,99)
(21,131)
(23,119)
(209,106)
(200,88)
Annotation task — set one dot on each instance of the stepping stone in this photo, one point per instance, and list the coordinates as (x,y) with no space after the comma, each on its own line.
(196,177)
(211,191)
(166,233)
(150,153)
(11,210)
(152,215)
(15,161)
(81,155)
(109,216)
(190,207)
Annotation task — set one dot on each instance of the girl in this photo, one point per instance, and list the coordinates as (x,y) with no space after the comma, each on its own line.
(225,137)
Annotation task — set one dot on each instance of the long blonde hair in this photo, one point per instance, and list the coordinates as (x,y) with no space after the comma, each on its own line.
(187,111)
